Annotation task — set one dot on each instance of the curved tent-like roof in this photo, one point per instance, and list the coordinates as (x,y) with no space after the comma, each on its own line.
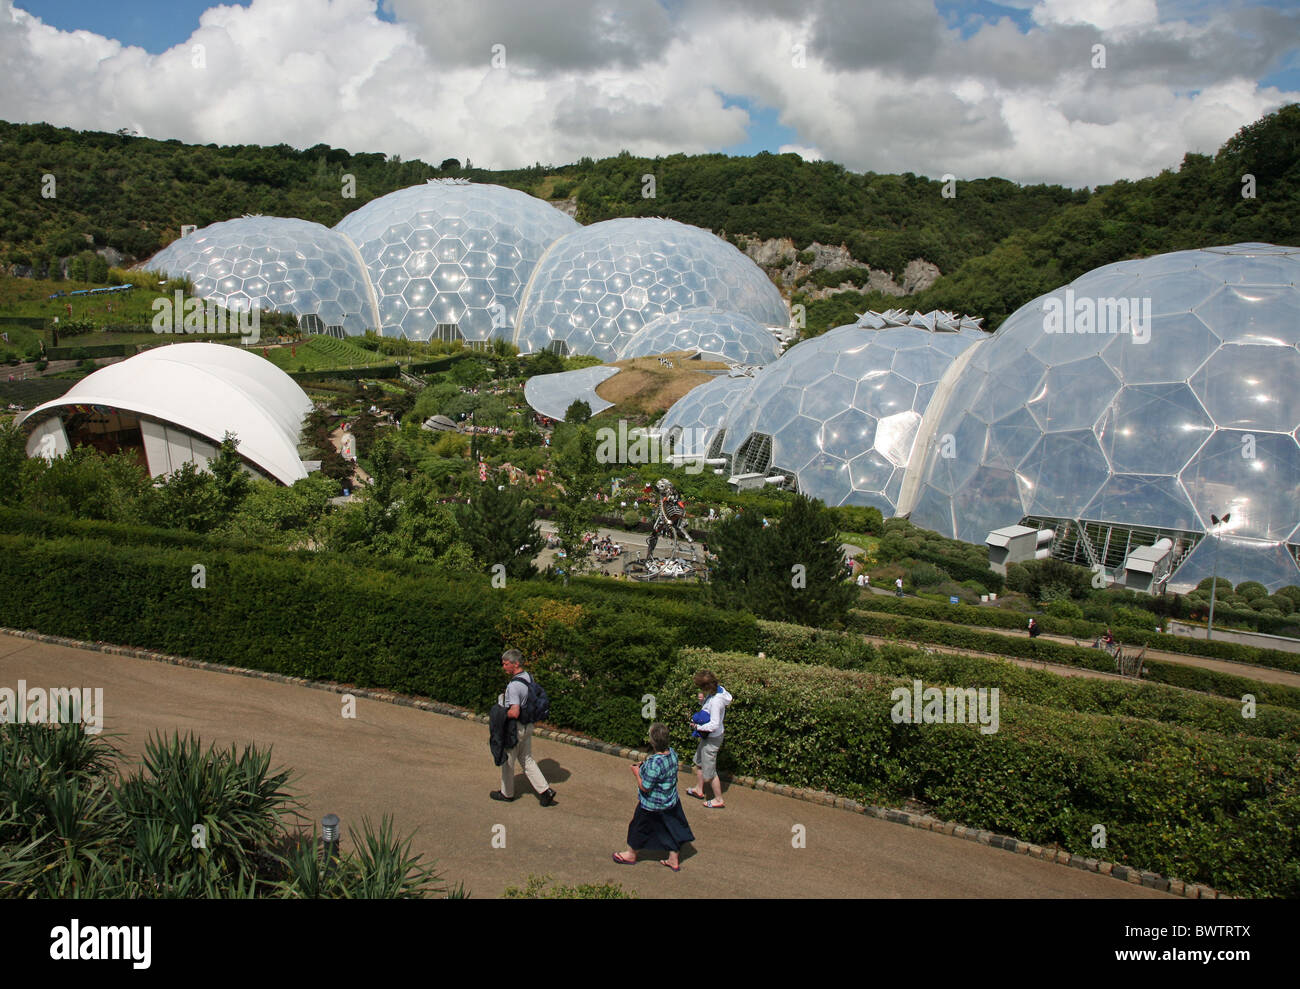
(208,389)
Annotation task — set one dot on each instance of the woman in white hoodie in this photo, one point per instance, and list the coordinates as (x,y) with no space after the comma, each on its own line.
(715,700)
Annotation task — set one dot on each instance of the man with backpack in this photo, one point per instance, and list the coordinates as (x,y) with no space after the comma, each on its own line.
(525,702)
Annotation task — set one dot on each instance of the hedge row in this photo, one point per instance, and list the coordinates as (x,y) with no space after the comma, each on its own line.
(325,617)
(1130,698)
(346,373)
(19,521)
(75,352)
(1187,804)
(965,614)
(960,637)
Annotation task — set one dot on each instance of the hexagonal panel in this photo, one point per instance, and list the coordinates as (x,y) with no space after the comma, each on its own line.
(1251,387)
(1254,477)
(1153,429)
(1264,315)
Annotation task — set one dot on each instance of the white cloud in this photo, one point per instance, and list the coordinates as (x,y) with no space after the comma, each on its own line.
(1103,14)
(807,154)
(591,77)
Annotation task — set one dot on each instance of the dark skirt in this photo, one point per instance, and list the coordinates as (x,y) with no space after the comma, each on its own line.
(666,829)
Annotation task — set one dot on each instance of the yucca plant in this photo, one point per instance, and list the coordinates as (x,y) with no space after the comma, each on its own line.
(70,827)
(380,866)
(209,813)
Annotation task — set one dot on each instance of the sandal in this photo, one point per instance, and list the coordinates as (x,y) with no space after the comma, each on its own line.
(618,857)
(675,868)
(695,793)
(714,805)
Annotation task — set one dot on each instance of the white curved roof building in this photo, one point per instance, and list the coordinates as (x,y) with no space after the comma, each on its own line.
(175,404)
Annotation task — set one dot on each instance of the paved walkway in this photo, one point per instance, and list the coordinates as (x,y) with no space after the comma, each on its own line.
(433,773)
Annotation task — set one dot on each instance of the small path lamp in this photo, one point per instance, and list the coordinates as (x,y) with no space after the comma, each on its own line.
(329,836)
(1216,522)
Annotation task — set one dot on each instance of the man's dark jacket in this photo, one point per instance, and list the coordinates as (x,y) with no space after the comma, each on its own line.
(503,732)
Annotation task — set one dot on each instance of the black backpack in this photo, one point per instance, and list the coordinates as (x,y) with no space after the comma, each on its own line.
(536,706)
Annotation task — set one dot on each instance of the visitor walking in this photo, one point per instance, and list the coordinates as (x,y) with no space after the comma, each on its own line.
(715,700)
(516,701)
(898,586)
(659,821)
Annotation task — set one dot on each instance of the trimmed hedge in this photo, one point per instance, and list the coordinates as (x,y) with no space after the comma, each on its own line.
(20,521)
(346,373)
(323,616)
(1190,677)
(1131,698)
(1190,805)
(99,350)
(969,615)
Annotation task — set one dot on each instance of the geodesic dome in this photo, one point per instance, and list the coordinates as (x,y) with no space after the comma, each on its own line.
(601,284)
(717,335)
(275,263)
(1083,408)
(691,424)
(449,260)
(840,412)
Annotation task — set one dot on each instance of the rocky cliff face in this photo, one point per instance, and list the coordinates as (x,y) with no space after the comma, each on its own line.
(779,257)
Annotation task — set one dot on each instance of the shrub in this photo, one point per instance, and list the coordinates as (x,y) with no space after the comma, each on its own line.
(1064,609)
(538,888)
(1252,590)
(926,575)
(1045,775)
(116,837)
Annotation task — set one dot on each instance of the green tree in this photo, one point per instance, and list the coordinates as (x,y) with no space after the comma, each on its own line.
(577,472)
(232,480)
(469,372)
(544,362)
(13,454)
(500,527)
(85,484)
(424,530)
(278,516)
(376,514)
(578,412)
(790,571)
(188,499)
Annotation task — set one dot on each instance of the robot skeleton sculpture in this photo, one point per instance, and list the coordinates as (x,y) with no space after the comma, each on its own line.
(670,520)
